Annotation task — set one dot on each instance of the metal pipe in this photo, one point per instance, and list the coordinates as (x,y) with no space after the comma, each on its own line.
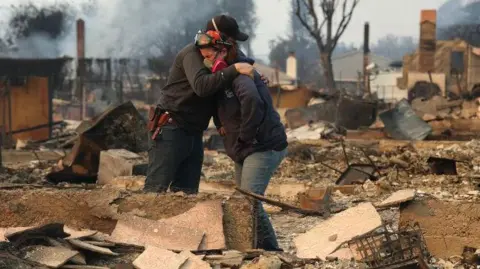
(109,73)
(1,146)
(366,57)
(279,89)
(4,113)
(50,105)
(9,92)
(50,125)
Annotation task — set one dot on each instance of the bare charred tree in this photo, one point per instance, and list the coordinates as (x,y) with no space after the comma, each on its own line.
(317,16)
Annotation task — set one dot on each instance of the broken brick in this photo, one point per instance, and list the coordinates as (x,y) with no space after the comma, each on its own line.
(317,199)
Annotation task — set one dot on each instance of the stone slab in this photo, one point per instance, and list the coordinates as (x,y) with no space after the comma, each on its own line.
(194,261)
(72,266)
(154,258)
(2,234)
(207,217)
(78,234)
(398,197)
(53,257)
(356,221)
(144,232)
(79,244)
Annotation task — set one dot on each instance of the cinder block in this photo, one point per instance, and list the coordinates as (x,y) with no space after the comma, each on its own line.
(119,162)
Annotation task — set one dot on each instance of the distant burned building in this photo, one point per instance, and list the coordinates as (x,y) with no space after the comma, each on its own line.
(26,94)
(446,67)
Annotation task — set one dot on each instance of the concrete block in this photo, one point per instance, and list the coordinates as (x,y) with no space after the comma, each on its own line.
(356,221)
(119,162)
(447,226)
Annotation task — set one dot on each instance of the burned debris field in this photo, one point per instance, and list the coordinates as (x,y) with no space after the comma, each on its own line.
(376,175)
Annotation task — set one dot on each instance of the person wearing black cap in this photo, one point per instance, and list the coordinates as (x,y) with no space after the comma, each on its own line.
(228,26)
(183,112)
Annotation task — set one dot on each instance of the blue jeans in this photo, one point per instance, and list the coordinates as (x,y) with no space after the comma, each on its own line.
(175,160)
(254,175)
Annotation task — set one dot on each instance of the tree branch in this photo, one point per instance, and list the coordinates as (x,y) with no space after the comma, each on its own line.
(346,17)
(315,31)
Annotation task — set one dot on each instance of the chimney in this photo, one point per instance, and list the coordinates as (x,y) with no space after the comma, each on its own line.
(292,65)
(428,42)
(81,66)
(366,57)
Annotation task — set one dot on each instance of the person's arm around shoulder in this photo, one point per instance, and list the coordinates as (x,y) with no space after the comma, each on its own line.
(203,82)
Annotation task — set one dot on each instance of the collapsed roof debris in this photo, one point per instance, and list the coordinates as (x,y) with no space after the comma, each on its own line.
(329,195)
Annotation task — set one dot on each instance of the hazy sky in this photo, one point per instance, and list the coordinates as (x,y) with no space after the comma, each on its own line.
(385,16)
(400,17)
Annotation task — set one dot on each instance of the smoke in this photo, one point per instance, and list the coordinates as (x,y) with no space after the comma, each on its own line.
(118,29)
(464,25)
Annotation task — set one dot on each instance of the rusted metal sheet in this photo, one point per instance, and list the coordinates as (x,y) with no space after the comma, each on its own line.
(402,123)
(28,107)
(346,112)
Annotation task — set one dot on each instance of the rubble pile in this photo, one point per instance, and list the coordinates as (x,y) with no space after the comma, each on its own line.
(334,202)
(439,108)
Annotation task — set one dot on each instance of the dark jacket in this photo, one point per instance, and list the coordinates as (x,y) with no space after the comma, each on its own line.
(189,95)
(246,112)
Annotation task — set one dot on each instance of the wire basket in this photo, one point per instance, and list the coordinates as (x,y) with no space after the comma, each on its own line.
(386,248)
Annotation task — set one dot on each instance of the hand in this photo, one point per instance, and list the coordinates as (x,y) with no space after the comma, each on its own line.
(221,131)
(264,79)
(245,69)
(222,55)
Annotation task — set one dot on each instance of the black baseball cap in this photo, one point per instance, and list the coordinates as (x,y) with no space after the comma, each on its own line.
(227,25)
